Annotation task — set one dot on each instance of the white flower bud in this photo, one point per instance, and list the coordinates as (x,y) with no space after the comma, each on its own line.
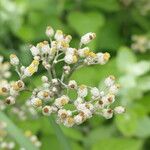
(10,100)
(114,89)
(69,122)
(59,35)
(14,60)
(72,84)
(54,89)
(55,81)
(107,113)
(47,110)
(22,68)
(83,52)
(78,101)
(44,47)
(82,91)
(36,102)
(68,59)
(63,100)
(95,93)
(68,38)
(102,58)
(44,79)
(70,51)
(66,69)
(88,37)
(44,95)
(109,81)
(78,119)
(49,31)
(34,50)
(119,110)
(46,85)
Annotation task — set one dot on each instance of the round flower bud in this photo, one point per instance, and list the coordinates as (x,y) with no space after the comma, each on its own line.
(14,60)
(119,110)
(69,122)
(66,69)
(95,93)
(36,102)
(72,84)
(34,50)
(88,37)
(49,31)
(47,110)
(61,101)
(83,52)
(54,89)
(78,119)
(10,100)
(68,58)
(78,101)
(109,81)
(55,81)
(107,113)
(44,79)
(59,35)
(82,91)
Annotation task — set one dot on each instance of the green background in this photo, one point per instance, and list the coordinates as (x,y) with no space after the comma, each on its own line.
(23,22)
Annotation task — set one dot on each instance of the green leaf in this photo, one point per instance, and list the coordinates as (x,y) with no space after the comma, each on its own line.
(127,123)
(109,36)
(86,22)
(143,128)
(97,134)
(16,133)
(118,144)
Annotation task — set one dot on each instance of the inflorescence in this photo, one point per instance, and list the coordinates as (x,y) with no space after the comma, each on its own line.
(8,143)
(52,97)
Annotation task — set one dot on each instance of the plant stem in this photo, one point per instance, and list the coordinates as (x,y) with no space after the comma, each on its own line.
(64,143)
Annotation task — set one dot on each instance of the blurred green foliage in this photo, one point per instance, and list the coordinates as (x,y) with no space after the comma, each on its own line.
(23,22)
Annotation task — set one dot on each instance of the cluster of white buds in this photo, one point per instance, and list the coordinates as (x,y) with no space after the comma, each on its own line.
(4,69)
(99,103)
(4,75)
(33,138)
(52,96)
(5,142)
(140,43)
(11,90)
(24,112)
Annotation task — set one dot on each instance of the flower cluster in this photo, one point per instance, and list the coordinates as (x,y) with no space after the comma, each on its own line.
(51,97)
(33,138)
(4,75)
(24,112)
(140,43)
(6,142)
